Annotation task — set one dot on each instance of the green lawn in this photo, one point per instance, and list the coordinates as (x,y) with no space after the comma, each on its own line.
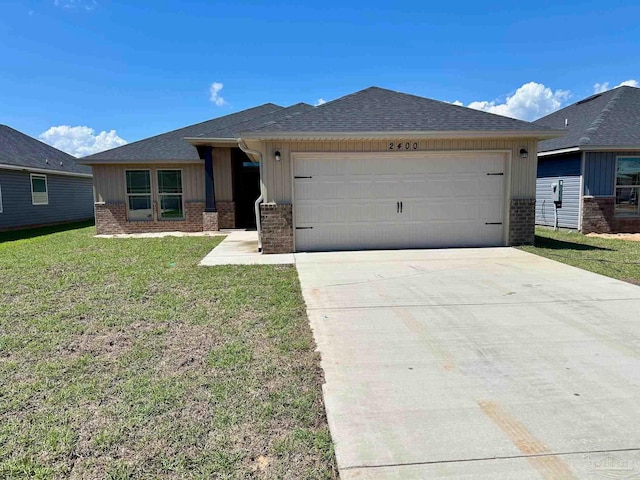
(124,359)
(613,258)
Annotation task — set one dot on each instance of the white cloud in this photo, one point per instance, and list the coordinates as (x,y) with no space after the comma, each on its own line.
(84,4)
(321,101)
(532,100)
(214,94)
(458,103)
(604,86)
(81,141)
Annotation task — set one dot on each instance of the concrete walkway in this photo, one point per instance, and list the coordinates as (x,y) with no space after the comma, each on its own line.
(241,248)
(475,364)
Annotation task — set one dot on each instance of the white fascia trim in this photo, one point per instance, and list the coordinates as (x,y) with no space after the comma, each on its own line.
(591,148)
(540,135)
(137,162)
(43,170)
(612,148)
(558,152)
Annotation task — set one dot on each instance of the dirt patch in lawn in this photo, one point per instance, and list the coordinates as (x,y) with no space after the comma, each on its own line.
(108,346)
(633,237)
(187,347)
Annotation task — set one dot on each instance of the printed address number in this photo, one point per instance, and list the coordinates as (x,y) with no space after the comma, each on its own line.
(403,146)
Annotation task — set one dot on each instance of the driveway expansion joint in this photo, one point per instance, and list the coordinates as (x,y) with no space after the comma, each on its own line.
(485,459)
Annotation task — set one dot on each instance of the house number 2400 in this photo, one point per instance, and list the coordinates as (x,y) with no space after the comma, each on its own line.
(403,146)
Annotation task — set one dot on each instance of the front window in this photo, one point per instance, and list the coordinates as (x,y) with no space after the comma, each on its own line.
(139,195)
(39,191)
(627,186)
(170,194)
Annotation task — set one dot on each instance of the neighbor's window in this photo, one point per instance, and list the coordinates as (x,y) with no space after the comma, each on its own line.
(139,194)
(39,192)
(627,186)
(170,194)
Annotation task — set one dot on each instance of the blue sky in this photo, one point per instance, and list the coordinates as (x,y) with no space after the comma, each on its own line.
(141,68)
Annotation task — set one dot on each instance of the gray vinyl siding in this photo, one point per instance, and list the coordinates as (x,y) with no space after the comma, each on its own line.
(70,199)
(600,172)
(568,215)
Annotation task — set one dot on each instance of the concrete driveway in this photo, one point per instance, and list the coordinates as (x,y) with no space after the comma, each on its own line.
(475,363)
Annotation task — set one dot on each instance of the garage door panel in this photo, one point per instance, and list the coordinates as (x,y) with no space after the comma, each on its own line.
(351,202)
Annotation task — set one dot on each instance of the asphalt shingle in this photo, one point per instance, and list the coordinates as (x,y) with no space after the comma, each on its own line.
(171,145)
(21,150)
(380,110)
(611,118)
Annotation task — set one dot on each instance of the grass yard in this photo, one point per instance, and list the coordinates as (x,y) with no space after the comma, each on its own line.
(121,358)
(614,258)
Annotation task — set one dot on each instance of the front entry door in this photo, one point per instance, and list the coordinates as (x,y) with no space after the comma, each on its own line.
(246,188)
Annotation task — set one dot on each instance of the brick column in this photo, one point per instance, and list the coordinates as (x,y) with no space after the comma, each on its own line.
(210,222)
(226,214)
(277,228)
(522,221)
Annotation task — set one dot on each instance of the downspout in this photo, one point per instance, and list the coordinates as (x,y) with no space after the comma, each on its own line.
(259,200)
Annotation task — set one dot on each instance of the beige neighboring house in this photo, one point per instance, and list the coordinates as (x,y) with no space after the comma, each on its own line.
(376,169)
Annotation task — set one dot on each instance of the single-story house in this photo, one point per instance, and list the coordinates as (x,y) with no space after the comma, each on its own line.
(596,163)
(39,184)
(375,169)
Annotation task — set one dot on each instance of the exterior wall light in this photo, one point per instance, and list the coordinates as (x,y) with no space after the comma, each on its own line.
(277,154)
(524,153)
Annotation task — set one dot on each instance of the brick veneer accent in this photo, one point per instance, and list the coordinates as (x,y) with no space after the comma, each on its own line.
(226,214)
(598,216)
(111,218)
(277,228)
(522,218)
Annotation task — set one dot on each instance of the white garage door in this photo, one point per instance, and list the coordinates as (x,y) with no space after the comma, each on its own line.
(380,201)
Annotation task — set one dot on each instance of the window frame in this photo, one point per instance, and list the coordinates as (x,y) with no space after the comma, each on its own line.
(160,195)
(150,194)
(616,187)
(46,188)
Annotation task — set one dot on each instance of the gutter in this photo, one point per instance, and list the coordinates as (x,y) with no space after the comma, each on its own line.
(260,199)
(45,171)
(591,148)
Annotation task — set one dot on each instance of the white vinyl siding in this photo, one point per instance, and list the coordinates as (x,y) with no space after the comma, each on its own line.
(422,200)
(39,189)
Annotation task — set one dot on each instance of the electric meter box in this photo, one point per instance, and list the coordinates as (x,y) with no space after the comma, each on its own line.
(556,191)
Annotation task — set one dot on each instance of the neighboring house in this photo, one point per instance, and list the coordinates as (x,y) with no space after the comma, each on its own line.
(598,161)
(374,169)
(39,184)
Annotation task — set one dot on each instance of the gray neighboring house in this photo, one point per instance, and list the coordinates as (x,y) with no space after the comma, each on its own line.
(598,161)
(39,184)
(375,169)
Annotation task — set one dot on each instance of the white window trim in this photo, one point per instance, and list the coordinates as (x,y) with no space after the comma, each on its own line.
(46,186)
(1,209)
(159,195)
(615,188)
(150,194)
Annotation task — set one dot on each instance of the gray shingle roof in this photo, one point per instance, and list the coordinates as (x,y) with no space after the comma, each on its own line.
(611,118)
(379,110)
(171,145)
(20,150)
(234,131)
